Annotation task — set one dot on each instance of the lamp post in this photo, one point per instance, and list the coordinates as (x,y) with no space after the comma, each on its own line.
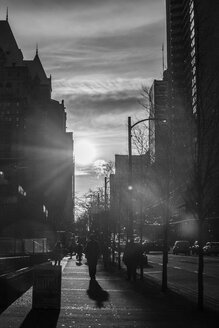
(107,232)
(130,179)
(130,188)
(105,194)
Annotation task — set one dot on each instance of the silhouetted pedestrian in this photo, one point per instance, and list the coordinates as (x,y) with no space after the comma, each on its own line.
(71,248)
(79,251)
(132,258)
(58,253)
(92,253)
(104,250)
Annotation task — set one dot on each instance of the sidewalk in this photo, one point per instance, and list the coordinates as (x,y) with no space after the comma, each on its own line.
(110,302)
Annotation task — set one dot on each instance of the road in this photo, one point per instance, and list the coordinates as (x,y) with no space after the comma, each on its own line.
(182,275)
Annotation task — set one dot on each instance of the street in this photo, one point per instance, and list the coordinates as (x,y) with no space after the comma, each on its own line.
(182,275)
(108,301)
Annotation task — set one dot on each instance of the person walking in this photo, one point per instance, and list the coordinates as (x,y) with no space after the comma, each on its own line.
(79,251)
(58,253)
(132,259)
(71,248)
(92,253)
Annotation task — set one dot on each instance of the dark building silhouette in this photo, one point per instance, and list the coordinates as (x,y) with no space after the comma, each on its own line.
(36,152)
(158,121)
(193,84)
(120,193)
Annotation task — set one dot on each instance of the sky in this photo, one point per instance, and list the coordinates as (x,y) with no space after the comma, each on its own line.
(99,54)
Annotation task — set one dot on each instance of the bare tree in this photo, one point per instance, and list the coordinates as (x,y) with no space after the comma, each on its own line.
(140,132)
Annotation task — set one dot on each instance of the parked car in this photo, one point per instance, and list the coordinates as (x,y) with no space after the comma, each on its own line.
(153,246)
(195,248)
(182,246)
(211,248)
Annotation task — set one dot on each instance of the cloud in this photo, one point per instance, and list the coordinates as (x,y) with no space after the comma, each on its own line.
(104,105)
(99,53)
(90,36)
(122,53)
(94,169)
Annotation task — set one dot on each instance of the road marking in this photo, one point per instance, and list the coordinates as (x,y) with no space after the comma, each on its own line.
(155,263)
(108,308)
(87,278)
(175,267)
(149,272)
(85,289)
(76,272)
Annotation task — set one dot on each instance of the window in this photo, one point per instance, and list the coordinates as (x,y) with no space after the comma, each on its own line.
(192,42)
(194,89)
(194,109)
(193,52)
(191,6)
(191,15)
(193,81)
(192,24)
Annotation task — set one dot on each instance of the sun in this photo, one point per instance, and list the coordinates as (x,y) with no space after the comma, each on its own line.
(85,152)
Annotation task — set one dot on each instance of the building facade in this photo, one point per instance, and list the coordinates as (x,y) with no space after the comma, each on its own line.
(120,197)
(193,84)
(36,152)
(158,125)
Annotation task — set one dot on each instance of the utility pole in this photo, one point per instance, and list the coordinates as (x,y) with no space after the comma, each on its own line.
(130,182)
(105,194)
(130,187)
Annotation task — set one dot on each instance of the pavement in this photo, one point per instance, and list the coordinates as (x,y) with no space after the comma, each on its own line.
(110,301)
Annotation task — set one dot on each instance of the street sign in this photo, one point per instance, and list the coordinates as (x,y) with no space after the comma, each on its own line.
(47,287)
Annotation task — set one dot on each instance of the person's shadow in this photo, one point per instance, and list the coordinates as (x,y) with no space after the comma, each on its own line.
(96,293)
(41,319)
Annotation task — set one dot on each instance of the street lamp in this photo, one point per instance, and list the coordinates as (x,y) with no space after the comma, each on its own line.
(130,180)
(130,188)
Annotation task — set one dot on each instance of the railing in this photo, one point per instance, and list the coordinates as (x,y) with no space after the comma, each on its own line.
(13,247)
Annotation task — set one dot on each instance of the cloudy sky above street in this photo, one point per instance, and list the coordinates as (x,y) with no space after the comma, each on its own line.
(99,53)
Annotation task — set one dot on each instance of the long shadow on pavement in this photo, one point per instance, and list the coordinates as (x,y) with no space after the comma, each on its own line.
(41,319)
(95,292)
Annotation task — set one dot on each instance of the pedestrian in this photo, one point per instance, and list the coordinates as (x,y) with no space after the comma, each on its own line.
(92,253)
(71,248)
(132,258)
(79,251)
(58,253)
(104,250)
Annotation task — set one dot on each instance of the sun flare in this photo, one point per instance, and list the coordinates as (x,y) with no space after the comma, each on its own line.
(85,152)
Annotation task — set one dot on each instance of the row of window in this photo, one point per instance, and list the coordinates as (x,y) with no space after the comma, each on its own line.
(9,119)
(6,85)
(9,104)
(193,55)
(9,112)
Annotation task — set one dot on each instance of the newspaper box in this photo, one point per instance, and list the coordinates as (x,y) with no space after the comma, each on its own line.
(47,287)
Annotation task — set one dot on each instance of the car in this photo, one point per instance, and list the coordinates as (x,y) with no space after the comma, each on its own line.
(154,246)
(211,248)
(182,246)
(195,248)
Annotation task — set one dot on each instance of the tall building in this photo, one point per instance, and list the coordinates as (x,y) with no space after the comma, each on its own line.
(36,152)
(158,122)
(193,66)
(120,192)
